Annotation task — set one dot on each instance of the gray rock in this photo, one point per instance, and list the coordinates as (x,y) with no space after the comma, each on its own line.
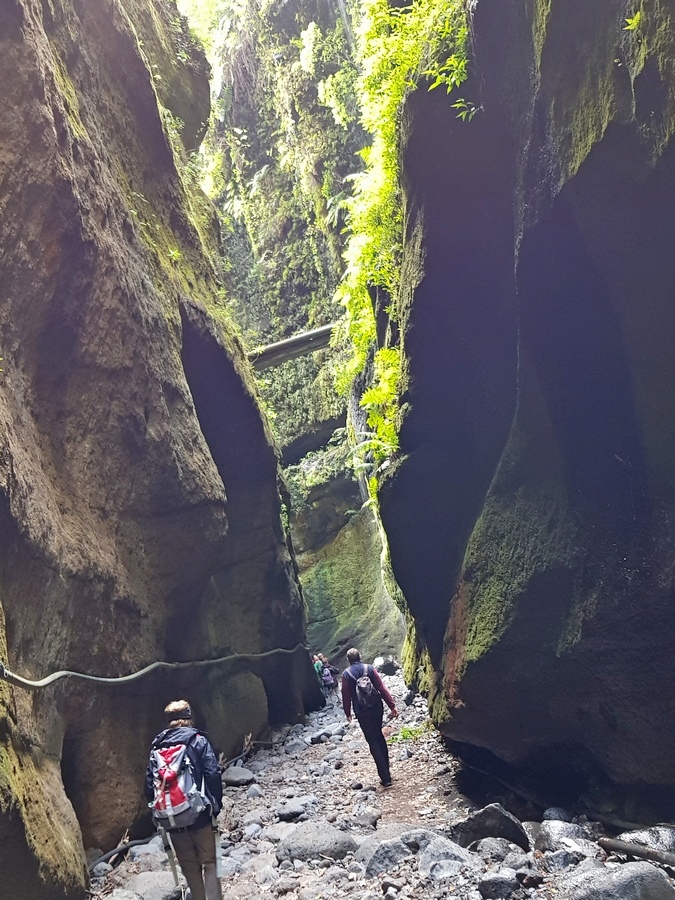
(338,728)
(491,821)
(252,831)
(658,837)
(532,830)
(231,867)
(557,813)
(251,817)
(368,844)
(228,818)
(296,807)
(501,883)
(285,885)
(315,840)
(278,832)
(290,810)
(154,886)
(293,747)
(335,875)
(519,860)
(101,869)
(560,860)
(552,832)
(633,881)
(495,849)
(237,776)
(240,854)
(266,875)
(386,856)
(419,838)
(442,859)
(149,849)
(367,818)
(254,792)
(386,664)
(123,894)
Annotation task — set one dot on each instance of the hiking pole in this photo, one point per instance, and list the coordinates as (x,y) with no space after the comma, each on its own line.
(171,854)
(219,848)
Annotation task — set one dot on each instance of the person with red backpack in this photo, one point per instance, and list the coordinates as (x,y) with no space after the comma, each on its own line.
(362,689)
(184,789)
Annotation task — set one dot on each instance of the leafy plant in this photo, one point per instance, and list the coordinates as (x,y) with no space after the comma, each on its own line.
(398,49)
(634,22)
(411,733)
(467,110)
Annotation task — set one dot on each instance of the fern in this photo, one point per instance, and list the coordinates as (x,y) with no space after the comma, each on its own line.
(397,49)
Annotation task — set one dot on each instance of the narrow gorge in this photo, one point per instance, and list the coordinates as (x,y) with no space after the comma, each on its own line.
(476,475)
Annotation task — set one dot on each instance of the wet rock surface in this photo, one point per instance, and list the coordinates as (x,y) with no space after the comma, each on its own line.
(320,826)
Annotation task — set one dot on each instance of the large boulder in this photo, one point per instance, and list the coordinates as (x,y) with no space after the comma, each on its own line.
(633,881)
(314,840)
(492,821)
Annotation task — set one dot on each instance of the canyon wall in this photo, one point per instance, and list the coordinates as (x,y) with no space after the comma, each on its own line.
(529,511)
(140,513)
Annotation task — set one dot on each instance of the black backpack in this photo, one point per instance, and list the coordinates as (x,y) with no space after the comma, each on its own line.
(367,694)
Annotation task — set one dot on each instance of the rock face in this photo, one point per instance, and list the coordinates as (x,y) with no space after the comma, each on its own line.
(528,515)
(339,555)
(139,506)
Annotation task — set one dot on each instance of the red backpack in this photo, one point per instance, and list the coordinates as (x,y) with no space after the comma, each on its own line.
(177,800)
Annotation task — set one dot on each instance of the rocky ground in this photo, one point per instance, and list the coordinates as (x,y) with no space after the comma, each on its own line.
(308,820)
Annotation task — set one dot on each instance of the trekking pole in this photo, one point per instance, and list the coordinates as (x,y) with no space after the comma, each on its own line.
(171,854)
(219,848)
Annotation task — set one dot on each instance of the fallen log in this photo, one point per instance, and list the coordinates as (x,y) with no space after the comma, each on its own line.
(615,846)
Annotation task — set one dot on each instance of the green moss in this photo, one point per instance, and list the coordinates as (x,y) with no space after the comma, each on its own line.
(524,527)
(68,95)
(346,598)
(32,803)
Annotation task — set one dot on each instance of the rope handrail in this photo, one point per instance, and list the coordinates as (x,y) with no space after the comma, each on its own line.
(28,685)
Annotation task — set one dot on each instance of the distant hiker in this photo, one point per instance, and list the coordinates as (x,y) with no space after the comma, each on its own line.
(318,667)
(329,675)
(363,690)
(184,789)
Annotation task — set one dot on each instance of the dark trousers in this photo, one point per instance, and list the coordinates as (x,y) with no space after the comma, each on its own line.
(196,853)
(371,726)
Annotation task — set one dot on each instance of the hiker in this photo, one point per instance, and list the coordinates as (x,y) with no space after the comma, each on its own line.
(363,690)
(318,667)
(329,674)
(195,843)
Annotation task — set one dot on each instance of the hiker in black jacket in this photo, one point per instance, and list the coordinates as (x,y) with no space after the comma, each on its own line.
(370,719)
(195,845)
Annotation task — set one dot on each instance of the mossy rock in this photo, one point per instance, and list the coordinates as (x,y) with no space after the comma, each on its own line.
(347,601)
